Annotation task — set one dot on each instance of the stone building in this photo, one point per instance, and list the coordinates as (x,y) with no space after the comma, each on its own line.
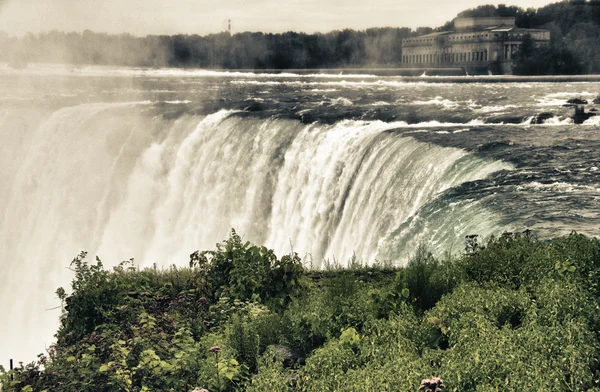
(477,45)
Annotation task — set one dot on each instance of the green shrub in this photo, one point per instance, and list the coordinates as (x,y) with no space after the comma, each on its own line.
(243,271)
(386,356)
(500,338)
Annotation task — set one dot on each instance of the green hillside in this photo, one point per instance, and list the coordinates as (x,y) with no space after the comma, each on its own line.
(515,313)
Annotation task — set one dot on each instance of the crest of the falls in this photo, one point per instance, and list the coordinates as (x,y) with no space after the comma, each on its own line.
(121,181)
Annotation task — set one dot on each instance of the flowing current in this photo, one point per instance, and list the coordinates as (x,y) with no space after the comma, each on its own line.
(131,164)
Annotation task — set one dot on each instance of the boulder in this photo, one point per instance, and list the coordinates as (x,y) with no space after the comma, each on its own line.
(540,118)
(577,101)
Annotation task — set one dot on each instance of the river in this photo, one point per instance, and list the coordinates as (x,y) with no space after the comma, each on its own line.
(155,164)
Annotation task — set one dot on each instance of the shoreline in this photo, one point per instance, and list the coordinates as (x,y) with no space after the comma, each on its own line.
(411,75)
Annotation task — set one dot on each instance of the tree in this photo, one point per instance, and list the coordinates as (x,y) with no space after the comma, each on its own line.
(553,59)
(584,40)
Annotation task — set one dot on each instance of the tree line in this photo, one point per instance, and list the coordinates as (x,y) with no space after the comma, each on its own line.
(574,47)
(247,50)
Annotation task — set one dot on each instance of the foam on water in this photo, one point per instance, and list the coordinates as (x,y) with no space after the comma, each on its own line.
(439,101)
(556,120)
(340,83)
(98,70)
(594,121)
(556,187)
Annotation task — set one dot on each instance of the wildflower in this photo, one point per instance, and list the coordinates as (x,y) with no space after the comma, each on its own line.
(215,349)
(435,384)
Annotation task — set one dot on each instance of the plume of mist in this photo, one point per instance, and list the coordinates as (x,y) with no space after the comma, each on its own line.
(345,48)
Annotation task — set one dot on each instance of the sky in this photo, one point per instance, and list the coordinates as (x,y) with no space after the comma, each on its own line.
(142,17)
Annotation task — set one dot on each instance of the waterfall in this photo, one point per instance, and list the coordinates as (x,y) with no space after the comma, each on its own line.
(121,181)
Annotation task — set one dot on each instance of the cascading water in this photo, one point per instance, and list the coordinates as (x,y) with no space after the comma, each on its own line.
(121,182)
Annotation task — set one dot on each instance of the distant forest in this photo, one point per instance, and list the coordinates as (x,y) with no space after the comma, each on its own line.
(574,48)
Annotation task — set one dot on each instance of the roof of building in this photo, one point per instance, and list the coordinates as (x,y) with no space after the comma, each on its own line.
(482,22)
(436,34)
(492,29)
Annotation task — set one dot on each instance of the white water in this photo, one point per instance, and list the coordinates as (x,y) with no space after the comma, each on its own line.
(113,180)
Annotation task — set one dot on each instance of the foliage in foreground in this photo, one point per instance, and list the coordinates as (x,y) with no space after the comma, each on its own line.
(515,313)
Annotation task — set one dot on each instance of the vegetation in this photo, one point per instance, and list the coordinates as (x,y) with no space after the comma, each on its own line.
(574,26)
(514,313)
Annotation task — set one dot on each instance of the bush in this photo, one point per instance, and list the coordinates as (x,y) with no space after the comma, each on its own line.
(500,338)
(243,271)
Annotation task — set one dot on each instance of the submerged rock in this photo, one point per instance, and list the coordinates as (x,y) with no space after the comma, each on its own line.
(254,107)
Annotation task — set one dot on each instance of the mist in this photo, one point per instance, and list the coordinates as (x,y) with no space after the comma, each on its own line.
(346,48)
(203,17)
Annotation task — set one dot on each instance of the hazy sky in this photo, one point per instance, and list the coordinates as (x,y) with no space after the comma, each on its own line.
(141,17)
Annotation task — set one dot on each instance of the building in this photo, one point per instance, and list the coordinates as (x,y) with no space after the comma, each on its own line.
(477,45)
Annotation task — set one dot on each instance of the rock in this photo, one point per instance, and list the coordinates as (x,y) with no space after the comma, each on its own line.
(597,100)
(254,107)
(580,115)
(540,118)
(577,101)
(288,357)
